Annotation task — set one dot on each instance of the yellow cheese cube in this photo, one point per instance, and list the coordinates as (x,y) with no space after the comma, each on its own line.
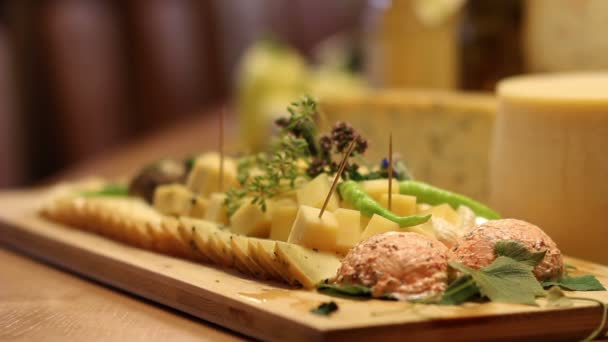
(402,205)
(349,229)
(445,212)
(379,225)
(173,199)
(282,215)
(425,229)
(313,193)
(216,210)
(378,187)
(250,220)
(199,207)
(313,232)
(204,178)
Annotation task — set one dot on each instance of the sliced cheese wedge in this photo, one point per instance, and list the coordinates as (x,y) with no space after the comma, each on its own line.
(240,249)
(267,255)
(202,236)
(259,256)
(187,229)
(221,242)
(306,266)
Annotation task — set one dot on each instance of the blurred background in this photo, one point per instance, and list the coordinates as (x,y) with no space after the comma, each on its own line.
(80,77)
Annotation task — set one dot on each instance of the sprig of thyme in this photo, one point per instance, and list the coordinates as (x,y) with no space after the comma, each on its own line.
(280,168)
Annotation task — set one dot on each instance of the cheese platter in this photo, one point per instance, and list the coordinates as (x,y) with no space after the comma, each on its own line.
(311,237)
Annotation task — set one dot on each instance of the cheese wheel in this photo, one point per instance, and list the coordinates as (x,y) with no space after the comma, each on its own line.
(549,161)
(444,137)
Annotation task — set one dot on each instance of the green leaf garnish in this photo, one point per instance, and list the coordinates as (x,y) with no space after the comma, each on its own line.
(345,290)
(108,190)
(557,298)
(459,291)
(504,280)
(325,309)
(518,252)
(585,282)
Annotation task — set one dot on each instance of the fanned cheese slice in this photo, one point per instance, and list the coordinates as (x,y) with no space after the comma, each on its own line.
(220,242)
(267,255)
(240,249)
(202,238)
(186,229)
(259,256)
(305,265)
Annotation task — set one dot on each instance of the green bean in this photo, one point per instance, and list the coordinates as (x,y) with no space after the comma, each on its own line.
(354,194)
(426,193)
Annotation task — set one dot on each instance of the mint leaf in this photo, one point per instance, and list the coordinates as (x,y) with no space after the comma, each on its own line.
(585,282)
(325,309)
(518,252)
(459,291)
(345,290)
(505,280)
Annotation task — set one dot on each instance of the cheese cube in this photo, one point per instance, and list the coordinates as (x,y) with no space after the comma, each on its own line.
(379,225)
(402,205)
(313,193)
(349,229)
(216,210)
(313,232)
(173,199)
(250,220)
(445,212)
(282,215)
(378,187)
(425,229)
(204,178)
(199,206)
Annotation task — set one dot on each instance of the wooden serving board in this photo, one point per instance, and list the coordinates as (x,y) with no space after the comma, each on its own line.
(271,311)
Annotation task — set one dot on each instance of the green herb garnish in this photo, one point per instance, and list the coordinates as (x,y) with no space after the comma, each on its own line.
(459,291)
(325,309)
(518,252)
(585,282)
(108,190)
(557,298)
(504,280)
(345,290)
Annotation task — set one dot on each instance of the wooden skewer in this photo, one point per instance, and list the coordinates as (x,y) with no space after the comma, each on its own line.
(221,150)
(338,175)
(390,171)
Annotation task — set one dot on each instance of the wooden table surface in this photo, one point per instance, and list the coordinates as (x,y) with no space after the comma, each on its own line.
(42,303)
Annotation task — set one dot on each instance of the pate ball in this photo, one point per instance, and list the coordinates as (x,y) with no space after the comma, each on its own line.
(404,265)
(476,248)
